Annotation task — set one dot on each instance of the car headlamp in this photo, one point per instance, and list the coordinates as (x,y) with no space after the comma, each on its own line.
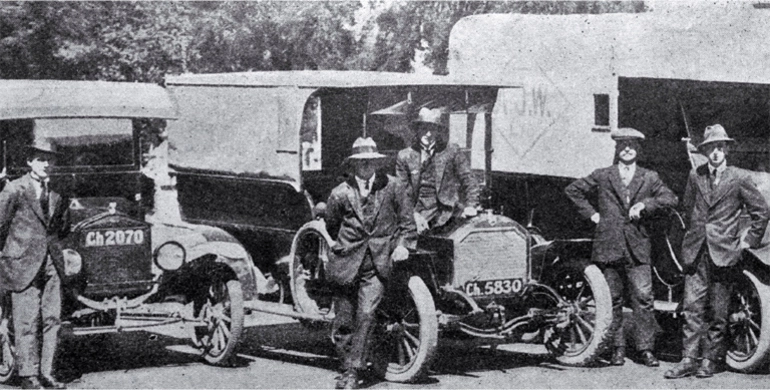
(73,262)
(170,256)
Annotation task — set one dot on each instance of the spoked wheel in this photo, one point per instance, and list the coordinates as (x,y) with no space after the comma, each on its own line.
(406,335)
(749,325)
(7,347)
(582,331)
(222,316)
(310,291)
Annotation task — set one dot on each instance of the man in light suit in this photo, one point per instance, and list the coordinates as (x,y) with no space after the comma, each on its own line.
(370,217)
(625,194)
(32,220)
(711,250)
(437,173)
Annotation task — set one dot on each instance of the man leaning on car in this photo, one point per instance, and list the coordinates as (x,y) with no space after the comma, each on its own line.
(621,247)
(32,219)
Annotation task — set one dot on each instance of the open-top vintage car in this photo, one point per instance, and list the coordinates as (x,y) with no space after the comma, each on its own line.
(129,264)
(258,154)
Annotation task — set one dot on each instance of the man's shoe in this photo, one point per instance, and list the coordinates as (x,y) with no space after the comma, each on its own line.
(30,382)
(649,359)
(685,368)
(349,380)
(707,369)
(618,357)
(50,382)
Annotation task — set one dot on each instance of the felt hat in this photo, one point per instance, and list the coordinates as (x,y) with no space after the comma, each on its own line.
(714,133)
(365,148)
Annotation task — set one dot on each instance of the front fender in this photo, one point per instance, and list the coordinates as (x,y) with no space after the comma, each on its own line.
(548,254)
(202,242)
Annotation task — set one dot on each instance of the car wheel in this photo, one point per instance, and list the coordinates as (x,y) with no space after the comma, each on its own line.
(749,325)
(582,334)
(222,317)
(7,348)
(310,291)
(406,335)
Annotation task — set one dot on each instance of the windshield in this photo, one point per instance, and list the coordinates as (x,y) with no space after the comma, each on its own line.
(80,142)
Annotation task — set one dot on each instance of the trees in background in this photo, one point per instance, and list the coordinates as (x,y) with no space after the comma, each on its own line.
(143,41)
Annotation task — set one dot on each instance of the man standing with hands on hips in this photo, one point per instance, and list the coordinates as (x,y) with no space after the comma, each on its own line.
(625,193)
(32,220)
(714,198)
(370,217)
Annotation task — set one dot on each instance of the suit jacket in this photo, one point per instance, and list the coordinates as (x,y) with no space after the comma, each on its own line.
(713,215)
(616,234)
(26,235)
(455,185)
(393,225)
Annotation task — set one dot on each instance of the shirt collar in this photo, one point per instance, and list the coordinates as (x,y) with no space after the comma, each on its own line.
(631,167)
(721,168)
(362,182)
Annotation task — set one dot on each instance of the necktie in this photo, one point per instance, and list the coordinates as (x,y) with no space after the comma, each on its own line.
(44,198)
(366,184)
(713,180)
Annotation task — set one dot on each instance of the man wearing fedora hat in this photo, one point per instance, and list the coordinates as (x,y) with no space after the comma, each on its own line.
(625,195)
(711,250)
(370,217)
(437,173)
(32,220)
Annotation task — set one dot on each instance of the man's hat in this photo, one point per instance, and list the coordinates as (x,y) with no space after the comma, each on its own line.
(433,116)
(626,133)
(365,148)
(714,133)
(41,145)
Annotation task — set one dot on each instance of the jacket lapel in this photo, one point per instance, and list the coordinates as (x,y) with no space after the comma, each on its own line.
(724,185)
(31,196)
(355,198)
(617,184)
(439,161)
(635,185)
(703,184)
(414,169)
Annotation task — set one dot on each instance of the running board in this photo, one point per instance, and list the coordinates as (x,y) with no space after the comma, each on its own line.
(284,309)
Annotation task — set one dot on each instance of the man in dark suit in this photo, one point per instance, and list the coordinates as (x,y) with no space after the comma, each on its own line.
(437,173)
(370,217)
(32,220)
(625,194)
(711,250)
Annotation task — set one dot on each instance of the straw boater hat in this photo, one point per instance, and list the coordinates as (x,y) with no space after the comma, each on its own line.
(626,133)
(43,146)
(714,133)
(365,148)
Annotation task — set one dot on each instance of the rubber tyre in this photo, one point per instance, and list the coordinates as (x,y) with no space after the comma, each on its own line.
(307,275)
(405,350)
(7,348)
(571,344)
(223,315)
(749,325)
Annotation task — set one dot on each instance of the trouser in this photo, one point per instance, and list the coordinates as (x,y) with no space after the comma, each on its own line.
(41,299)
(638,279)
(355,315)
(706,305)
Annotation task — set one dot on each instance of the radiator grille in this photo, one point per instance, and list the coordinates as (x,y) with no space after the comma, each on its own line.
(485,255)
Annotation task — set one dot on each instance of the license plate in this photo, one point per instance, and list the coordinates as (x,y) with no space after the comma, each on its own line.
(493,287)
(118,237)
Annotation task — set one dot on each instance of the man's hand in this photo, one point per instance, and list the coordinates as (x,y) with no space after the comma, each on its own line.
(400,254)
(421,222)
(595,218)
(470,211)
(636,211)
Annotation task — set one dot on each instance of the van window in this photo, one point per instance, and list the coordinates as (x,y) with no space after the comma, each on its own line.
(601,112)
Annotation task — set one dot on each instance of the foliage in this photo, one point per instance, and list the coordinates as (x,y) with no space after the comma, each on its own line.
(143,41)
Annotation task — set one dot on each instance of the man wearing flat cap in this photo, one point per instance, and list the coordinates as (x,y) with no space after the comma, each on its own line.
(370,217)
(625,194)
(711,250)
(437,173)
(32,220)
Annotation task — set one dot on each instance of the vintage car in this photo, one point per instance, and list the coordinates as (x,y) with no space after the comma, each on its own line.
(650,71)
(129,264)
(258,153)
